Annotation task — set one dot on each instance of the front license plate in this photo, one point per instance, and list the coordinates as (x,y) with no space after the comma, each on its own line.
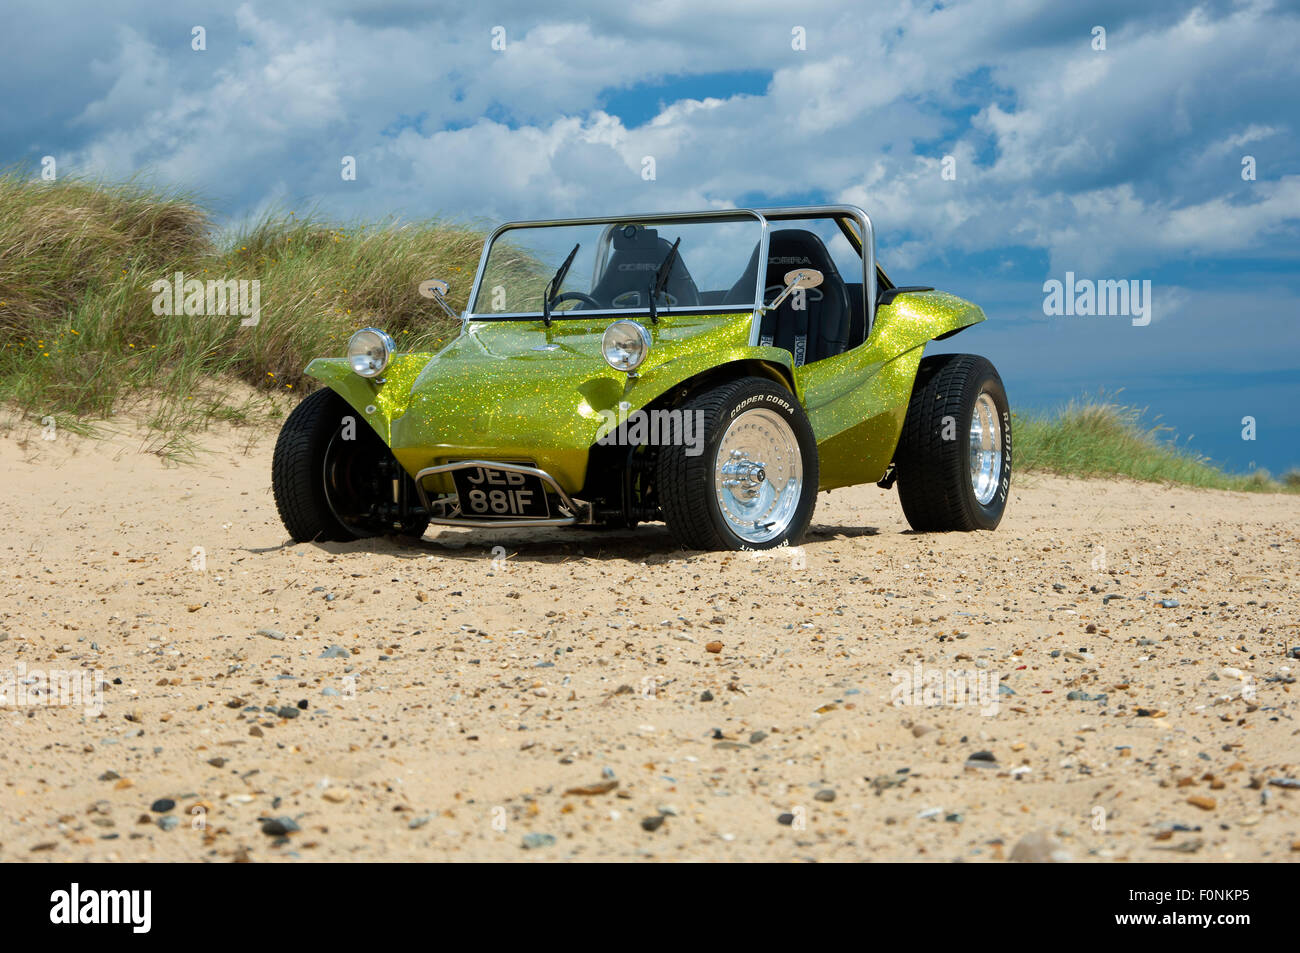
(488,493)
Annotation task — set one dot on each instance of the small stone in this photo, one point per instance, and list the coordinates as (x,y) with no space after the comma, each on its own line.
(217,762)
(652,823)
(287,711)
(335,795)
(706,696)
(787,819)
(535,841)
(1078,696)
(825,794)
(275,634)
(416,823)
(335,651)
(714,647)
(279,826)
(757,736)
(1169,603)
(1204,802)
(591,790)
(162,805)
(919,729)
(883,782)
(169,823)
(1039,848)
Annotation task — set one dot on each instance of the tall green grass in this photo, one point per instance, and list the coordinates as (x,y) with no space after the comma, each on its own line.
(1107,439)
(79,339)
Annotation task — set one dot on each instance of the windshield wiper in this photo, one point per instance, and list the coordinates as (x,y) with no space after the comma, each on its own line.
(661,279)
(553,286)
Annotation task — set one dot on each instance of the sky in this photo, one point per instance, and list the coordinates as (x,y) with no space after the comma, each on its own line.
(997,146)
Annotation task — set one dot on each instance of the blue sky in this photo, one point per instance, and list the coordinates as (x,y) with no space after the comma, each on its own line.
(1122,163)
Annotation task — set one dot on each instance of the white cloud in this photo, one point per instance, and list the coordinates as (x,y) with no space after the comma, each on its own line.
(1121,158)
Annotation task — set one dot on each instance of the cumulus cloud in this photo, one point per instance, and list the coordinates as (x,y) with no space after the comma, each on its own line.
(1092,158)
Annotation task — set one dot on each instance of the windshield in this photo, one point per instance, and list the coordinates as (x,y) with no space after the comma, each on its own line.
(621,266)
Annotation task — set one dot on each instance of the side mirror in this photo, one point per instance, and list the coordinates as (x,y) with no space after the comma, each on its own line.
(437,289)
(795,280)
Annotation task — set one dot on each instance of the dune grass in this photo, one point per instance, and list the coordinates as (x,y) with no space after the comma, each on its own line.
(1107,439)
(79,340)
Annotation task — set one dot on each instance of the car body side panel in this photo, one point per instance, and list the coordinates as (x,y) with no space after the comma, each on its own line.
(857,401)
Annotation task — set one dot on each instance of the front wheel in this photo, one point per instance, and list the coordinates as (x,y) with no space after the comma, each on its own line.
(954,456)
(750,481)
(334,478)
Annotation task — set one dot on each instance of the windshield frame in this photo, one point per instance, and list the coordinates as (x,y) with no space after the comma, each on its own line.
(718,215)
(853,221)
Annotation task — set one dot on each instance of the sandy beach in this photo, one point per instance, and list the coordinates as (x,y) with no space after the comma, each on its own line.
(1104,678)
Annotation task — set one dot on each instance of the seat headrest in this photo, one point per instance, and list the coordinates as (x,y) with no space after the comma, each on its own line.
(790,248)
(628,237)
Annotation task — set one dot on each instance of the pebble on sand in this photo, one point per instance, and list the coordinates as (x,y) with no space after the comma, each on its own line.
(1040,847)
(277,826)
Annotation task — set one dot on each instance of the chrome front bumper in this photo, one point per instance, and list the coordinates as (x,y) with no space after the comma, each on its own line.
(445,512)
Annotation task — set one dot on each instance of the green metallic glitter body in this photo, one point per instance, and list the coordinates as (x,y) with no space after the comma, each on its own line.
(519,391)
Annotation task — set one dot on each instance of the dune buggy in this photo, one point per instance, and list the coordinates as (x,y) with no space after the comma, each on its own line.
(713,370)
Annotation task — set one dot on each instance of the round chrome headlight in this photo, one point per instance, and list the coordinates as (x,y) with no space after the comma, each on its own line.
(625,345)
(369,351)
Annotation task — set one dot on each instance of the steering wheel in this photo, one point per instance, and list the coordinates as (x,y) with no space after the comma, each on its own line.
(586,299)
(632,299)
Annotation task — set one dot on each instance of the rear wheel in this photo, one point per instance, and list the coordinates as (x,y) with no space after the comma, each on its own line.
(333,476)
(954,455)
(754,483)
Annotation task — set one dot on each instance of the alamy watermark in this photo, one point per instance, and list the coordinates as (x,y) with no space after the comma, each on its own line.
(655,428)
(1086,297)
(55,688)
(945,688)
(180,295)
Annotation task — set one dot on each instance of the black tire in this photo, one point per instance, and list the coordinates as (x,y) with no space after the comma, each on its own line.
(685,483)
(933,458)
(325,486)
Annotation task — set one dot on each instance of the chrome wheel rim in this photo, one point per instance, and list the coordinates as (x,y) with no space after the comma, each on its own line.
(758,476)
(985,449)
